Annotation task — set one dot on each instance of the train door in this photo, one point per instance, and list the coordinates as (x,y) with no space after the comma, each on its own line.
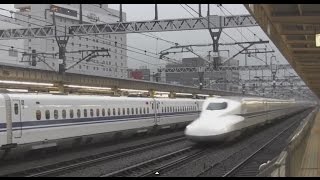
(158,112)
(155,111)
(16,119)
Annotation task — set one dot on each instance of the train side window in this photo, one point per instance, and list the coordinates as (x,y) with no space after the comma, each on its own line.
(144,110)
(128,111)
(147,110)
(98,112)
(123,111)
(38,115)
(140,111)
(47,114)
(161,109)
(64,113)
(103,112)
(114,111)
(78,113)
(91,112)
(71,113)
(136,110)
(85,113)
(16,109)
(151,105)
(157,106)
(55,114)
(119,112)
(132,111)
(109,112)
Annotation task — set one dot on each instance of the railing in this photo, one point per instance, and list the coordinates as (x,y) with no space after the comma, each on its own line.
(288,163)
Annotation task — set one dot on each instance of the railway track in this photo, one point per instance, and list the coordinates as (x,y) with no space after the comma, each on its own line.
(160,164)
(57,168)
(249,166)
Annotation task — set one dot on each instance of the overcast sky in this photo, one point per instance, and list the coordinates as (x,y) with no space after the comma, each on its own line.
(138,12)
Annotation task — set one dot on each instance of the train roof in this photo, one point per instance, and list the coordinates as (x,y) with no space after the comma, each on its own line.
(245,98)
(91,97)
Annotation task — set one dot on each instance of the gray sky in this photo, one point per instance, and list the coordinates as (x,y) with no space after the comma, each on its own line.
(138,12)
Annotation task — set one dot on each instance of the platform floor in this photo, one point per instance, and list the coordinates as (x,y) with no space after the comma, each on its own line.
(310,166)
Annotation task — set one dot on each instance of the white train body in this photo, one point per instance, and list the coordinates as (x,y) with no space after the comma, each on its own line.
(30,121)
(228,117)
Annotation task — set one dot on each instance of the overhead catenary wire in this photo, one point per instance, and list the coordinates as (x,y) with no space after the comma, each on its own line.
(30,16)
(245,27)
(214,26)
(91,39)
(25,50)
(165,40)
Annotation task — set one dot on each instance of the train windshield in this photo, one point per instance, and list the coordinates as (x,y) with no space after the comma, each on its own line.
(217,106)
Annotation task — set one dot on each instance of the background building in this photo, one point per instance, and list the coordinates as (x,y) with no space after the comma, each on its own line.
(215,80)
(142,73)
(9,48)
(69,14)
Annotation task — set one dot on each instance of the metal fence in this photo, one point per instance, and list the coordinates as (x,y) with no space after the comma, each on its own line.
(288,163)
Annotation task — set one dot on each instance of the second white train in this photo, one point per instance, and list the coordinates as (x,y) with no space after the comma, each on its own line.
(228,117)
(41,121)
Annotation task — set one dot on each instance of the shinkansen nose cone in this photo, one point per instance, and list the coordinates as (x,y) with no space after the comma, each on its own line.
(212,129)
(201,130)
(214,120)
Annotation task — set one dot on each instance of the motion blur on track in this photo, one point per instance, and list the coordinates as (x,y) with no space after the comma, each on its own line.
(224,118)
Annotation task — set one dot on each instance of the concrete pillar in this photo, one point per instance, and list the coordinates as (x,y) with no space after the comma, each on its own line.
(116,91)
(172,94)
(152,93)
(194,96)
(60,87)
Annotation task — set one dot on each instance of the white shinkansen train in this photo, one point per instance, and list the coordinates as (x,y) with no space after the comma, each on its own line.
(38,121)
(225,118)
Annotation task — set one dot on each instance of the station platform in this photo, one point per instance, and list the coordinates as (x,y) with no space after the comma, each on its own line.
(310,165)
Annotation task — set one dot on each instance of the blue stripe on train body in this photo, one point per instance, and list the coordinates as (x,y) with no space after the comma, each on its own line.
(71,122)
